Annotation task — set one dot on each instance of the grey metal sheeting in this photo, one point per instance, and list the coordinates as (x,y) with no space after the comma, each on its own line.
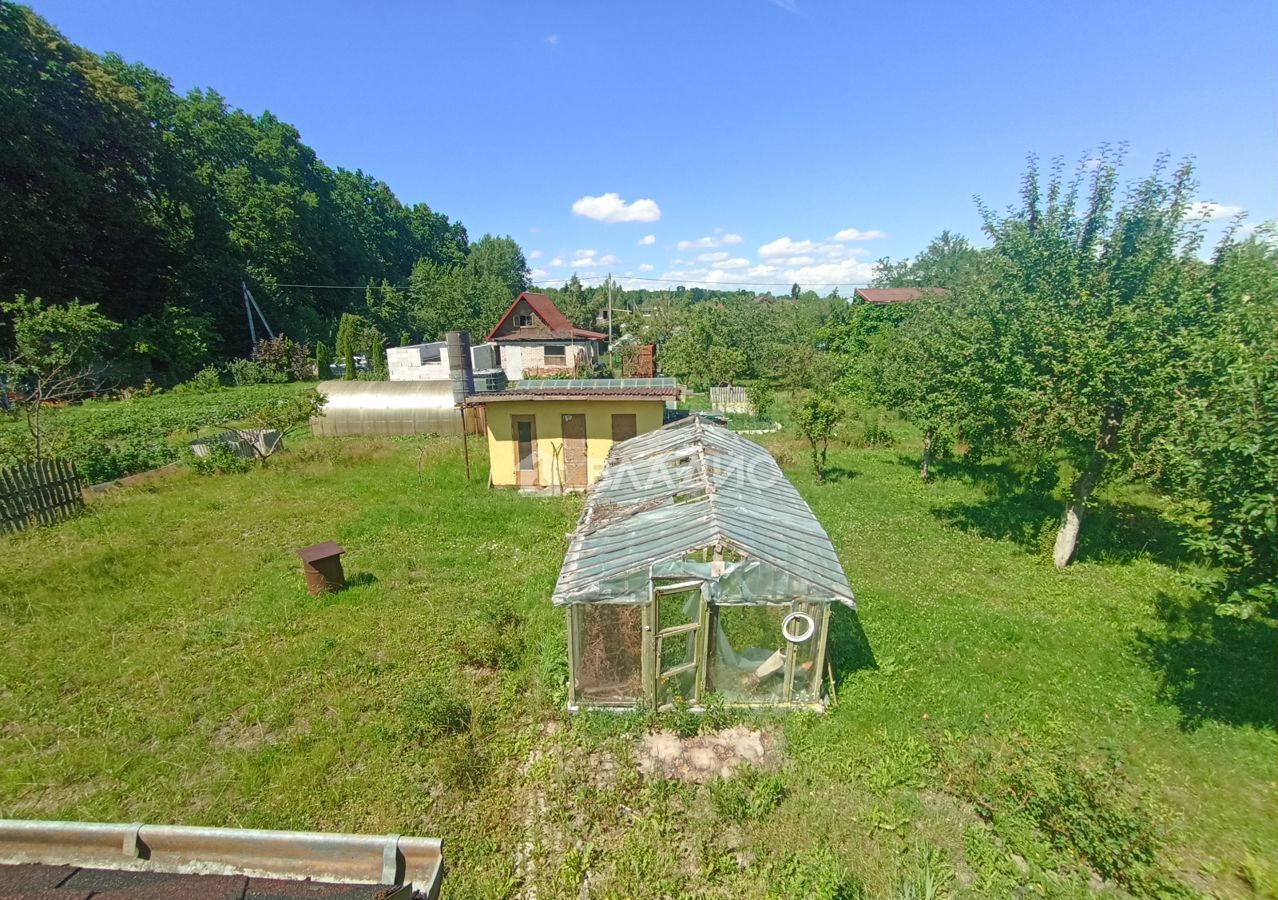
(387,407)
(690,485)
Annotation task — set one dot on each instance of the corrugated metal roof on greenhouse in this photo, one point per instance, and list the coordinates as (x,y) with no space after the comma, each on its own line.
(689,485)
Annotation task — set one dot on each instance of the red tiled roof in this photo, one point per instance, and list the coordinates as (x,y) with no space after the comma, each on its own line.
(556,321)
(895,295)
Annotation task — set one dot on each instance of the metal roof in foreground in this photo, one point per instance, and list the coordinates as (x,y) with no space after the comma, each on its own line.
(690,485)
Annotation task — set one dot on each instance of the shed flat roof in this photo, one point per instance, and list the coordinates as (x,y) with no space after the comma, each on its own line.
(582,389)
(689,485)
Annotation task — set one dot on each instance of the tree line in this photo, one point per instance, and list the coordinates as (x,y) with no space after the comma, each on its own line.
(117,191)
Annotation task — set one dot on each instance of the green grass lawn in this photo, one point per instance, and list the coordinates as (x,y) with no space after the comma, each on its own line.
(999,726)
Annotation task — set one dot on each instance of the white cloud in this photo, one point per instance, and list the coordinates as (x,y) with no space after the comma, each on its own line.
(712,240)
(585,253)
(536,229)
(646,267)
(1212,212)
(538,274)
(781,272)
(535,254)
(713,257)
(611,208)
(800,260)
(552,40)
(608,260)
(582,262)
(647,239)
(856,234)
(783,246)
(557,262)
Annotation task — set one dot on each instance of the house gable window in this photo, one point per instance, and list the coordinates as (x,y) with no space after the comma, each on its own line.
(525,320)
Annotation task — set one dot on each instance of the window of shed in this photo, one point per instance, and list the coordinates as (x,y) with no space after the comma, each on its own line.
(609,653)
(525,321)
(556,356)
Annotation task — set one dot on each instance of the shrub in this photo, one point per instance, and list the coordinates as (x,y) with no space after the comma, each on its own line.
(283,359)
(204,381)
(246,371)
(875,433)
(219,459)
(761,398)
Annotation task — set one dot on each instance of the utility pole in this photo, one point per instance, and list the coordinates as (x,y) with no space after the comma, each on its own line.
(610,357)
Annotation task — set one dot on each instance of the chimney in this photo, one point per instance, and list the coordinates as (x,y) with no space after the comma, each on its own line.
(459,369)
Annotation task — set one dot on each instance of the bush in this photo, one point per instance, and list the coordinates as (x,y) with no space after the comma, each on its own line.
(761,398)
(220,459)
(283,359)
(204,381)
(246,371)
(875,433)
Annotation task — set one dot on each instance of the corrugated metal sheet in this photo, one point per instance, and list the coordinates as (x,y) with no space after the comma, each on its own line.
(387,407)
(686,486)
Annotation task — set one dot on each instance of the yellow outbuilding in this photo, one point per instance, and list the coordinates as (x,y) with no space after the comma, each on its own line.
(556,435)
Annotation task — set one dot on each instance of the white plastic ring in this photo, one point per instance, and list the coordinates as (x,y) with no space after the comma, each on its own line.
(808,630)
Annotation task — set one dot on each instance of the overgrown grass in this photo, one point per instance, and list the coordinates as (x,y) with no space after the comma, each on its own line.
(1001,726)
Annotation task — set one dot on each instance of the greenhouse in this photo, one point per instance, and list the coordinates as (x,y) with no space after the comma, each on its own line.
(697,570)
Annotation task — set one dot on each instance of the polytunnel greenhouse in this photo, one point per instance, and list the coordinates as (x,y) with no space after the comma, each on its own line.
(388,407)
(696,569)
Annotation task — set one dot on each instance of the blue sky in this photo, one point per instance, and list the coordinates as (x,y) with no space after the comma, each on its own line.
(730,132)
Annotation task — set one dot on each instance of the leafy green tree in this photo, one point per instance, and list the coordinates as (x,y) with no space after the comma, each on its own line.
(283,416)
(935,368)
(1089,298)
(817,419)
(947,262)
(323,361)
(376,345)
(56,356)
(761,397)
(349,329)
(1221,449)
(502,259)
(405,338)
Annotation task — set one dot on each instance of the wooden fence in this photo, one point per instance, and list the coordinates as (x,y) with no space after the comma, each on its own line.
(729,400)
(38,493)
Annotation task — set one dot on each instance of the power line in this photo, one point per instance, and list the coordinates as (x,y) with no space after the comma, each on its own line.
(683,281)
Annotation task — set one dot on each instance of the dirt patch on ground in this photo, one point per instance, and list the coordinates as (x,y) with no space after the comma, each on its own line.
(706,757)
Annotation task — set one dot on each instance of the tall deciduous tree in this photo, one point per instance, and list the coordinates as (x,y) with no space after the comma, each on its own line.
(947,262)
(1221,449)
(1090,297)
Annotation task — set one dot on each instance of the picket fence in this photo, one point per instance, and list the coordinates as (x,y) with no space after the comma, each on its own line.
(39,493)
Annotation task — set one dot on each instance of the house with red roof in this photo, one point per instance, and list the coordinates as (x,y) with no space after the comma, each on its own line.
(537,340)
(883,296)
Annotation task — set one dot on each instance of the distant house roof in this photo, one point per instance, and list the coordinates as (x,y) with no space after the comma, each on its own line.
(582,389)
(895,295)
(558,324)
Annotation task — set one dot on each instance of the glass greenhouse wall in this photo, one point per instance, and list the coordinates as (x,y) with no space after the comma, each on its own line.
(696,570)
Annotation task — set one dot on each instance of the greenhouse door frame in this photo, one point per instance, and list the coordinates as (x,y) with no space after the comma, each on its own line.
(653,635)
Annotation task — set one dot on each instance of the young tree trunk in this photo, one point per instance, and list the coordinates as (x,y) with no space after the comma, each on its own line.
(1082,489)
(816,463)
(927,455)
